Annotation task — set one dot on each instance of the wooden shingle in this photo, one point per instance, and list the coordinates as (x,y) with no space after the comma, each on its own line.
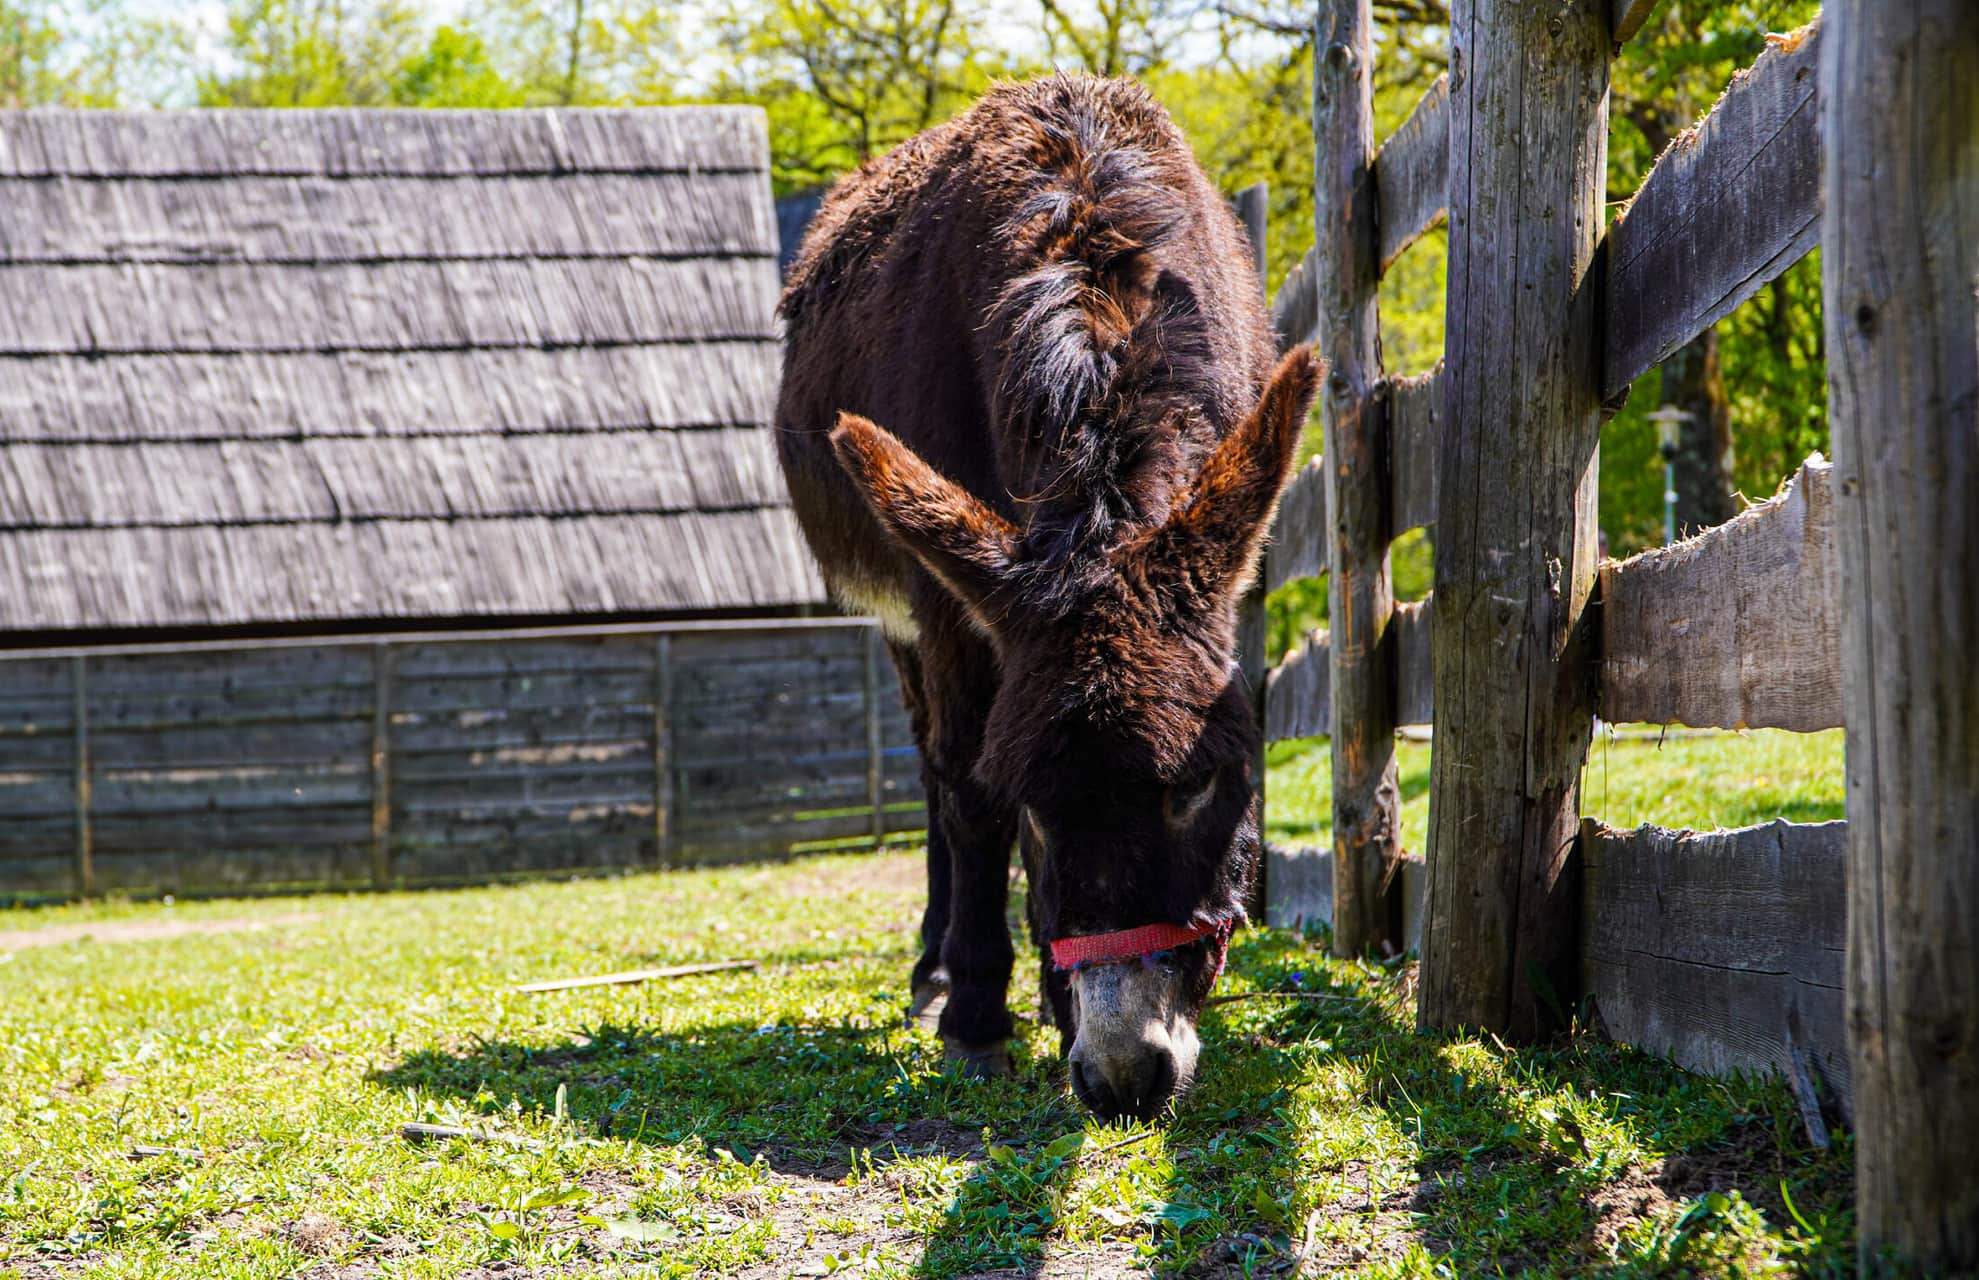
(333,366)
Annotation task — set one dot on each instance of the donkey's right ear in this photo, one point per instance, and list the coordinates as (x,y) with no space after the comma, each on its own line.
(970,548)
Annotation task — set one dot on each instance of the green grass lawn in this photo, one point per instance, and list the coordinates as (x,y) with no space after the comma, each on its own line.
(782,1122)
(1634,775)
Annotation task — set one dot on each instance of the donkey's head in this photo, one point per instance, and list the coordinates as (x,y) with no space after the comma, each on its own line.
(1121,728)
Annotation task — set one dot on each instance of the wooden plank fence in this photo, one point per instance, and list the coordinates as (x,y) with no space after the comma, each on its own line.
(406,760)
(1851,597)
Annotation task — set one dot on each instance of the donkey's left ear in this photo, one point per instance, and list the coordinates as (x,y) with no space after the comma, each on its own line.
(965,544)
(1209,545)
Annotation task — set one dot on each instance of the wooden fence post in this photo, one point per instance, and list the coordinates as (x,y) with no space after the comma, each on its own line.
(1515,551)
(874,760)
(1900,253)
(663,815)
(85,833)
(381,766)
(1360,595)
(1253,205)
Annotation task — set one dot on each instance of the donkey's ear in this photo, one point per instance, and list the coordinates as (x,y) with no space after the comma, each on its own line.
(1207,548)
(969,547)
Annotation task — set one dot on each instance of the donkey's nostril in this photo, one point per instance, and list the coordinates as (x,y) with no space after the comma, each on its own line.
(1157,1075)
(1093,1090)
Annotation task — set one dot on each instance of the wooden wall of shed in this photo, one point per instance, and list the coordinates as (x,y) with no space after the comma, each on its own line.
(262,766)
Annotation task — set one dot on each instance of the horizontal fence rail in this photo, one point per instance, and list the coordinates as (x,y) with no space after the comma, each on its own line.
(434,758)
(1722,950)
(1729,206)
(1411,174)
(1739,627)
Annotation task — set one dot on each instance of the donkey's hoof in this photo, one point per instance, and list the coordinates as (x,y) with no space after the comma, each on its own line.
(979,1061)
(924,1010)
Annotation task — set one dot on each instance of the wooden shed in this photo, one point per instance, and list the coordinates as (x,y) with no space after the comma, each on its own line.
(388,497)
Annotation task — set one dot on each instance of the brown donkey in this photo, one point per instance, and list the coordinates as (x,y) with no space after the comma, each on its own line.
(1055,317)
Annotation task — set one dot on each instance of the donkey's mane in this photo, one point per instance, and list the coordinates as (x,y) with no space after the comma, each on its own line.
(1098,346)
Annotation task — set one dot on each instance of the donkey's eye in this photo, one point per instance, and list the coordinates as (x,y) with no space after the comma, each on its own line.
(1183,803)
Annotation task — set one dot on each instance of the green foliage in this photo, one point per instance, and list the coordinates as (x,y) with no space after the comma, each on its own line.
(85,53)
(844,80)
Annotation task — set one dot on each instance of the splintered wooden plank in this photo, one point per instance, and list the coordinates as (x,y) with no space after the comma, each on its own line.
(314,220)
(1298,537)
(1295,310)
(1722,950)
(96,308)
(1413,674)
(1415,424)
(1626,17)
(348,142)
(1730,205)
(1296,693)
(1739,627)
(1411,174)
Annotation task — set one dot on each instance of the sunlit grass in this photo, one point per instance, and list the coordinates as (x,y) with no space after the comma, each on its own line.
(783,1121)
(1635,774)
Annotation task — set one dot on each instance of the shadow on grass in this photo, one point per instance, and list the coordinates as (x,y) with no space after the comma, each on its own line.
(1322,1128)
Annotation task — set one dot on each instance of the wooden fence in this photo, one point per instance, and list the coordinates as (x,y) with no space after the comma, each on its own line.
(1850,598)
(405,760)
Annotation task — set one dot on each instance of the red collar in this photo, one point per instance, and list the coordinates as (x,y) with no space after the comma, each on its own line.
(1139,944)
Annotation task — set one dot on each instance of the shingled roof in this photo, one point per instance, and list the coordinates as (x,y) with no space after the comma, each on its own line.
(332,366)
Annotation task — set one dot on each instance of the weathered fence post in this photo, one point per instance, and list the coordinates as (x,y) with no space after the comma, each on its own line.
(1252,205)
(85,833)
(1515,551)
(874,761)
(663,815)
(381,766)
(1900,253)
(1360,595)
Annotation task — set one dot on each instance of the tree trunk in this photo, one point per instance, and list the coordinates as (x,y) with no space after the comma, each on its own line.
(1693,382)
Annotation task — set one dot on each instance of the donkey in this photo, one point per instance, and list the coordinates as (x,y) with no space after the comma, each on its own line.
(1056,318)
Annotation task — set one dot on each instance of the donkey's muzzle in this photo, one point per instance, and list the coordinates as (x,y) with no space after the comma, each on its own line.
(1137,1087)
(1135,1049)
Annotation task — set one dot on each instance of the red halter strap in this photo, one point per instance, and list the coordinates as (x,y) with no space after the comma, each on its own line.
(1139,944)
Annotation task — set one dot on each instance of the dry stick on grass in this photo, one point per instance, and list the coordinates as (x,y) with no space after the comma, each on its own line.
(1287,995)
(630,976)
(141,1152)
(448,1132)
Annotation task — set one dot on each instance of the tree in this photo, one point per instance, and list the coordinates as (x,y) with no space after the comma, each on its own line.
(85,53)
(313,53)
(843,80)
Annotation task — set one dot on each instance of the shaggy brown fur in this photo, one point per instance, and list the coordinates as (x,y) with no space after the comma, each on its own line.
(1055,317)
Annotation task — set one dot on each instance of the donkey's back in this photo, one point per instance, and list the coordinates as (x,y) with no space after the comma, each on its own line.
(981,286)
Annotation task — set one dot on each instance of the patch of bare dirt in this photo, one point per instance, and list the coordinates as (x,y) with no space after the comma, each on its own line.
(317,1235)
(56,935)
(904,874)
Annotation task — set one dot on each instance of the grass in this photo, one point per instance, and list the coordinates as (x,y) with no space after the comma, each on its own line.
(782,1121)
(1634,774)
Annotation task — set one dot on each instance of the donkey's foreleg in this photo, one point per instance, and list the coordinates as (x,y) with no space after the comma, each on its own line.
(978,829)
(930,982)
